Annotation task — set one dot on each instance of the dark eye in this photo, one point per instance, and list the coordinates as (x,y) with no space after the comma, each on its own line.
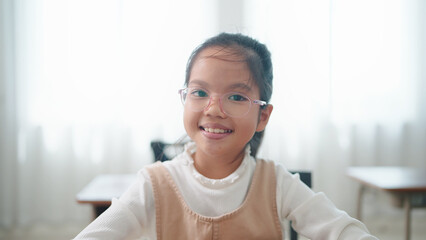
(198,93)
(237,98)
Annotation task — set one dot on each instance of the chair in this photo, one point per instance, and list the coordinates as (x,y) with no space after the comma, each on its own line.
(306,178)
(164,151)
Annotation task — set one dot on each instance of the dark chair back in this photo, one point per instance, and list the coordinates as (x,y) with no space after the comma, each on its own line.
(305,177)
(165,151)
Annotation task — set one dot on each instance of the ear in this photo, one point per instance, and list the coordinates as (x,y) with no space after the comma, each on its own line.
(264,117)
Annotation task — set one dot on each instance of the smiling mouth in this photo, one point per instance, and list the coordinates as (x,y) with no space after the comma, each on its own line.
(216,130)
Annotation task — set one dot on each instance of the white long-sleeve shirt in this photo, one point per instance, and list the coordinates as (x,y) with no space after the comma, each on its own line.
(133,215)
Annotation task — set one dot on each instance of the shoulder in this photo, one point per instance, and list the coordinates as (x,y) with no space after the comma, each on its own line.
(141,189)
(289,184)
(175,167)
(280,170)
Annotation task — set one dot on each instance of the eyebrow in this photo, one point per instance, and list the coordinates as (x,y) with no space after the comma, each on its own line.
(241,86)
(233,87)
(199,82)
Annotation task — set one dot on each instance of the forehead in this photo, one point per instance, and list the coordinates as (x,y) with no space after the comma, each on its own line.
(221,68)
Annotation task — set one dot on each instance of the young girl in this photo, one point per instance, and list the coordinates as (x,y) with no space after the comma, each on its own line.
(217,189)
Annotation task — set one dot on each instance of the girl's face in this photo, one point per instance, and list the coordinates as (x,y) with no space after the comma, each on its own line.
(215,133)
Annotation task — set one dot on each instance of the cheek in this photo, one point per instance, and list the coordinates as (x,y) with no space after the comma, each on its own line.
(189,122)
(253,118)
(249,123)
(247,131)
(186,118)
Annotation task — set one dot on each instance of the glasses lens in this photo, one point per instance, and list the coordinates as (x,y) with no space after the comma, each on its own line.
(195,99)
(235,104)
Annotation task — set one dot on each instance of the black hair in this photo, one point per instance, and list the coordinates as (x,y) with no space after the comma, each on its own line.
(258,59)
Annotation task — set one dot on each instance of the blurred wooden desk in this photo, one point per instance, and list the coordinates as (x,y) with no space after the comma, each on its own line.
(103,188)
(405,184)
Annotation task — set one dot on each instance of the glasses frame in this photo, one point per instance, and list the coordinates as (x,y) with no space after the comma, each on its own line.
(261,103)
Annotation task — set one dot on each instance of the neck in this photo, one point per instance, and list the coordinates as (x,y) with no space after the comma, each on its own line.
(217,167)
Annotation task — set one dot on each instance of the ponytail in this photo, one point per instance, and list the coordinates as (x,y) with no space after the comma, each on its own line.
(255,143)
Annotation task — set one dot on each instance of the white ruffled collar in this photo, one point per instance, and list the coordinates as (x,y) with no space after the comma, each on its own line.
(190,149)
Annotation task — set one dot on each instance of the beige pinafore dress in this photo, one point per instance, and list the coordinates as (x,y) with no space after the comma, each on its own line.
(256,218)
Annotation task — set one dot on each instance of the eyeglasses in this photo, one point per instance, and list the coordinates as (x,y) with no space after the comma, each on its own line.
(233,104)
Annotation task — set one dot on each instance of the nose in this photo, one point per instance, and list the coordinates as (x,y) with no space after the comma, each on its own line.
(214,108)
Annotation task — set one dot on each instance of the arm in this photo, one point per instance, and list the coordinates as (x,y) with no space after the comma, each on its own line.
(131,216)
(313,215)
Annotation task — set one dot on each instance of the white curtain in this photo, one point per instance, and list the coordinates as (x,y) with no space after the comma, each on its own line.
(86,85)
(349,84)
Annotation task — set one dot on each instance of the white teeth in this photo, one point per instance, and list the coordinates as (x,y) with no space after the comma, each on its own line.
(216,130)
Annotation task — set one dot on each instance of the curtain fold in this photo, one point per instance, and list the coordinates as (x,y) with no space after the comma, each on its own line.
(8,118)
(347,76)
(86,85)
